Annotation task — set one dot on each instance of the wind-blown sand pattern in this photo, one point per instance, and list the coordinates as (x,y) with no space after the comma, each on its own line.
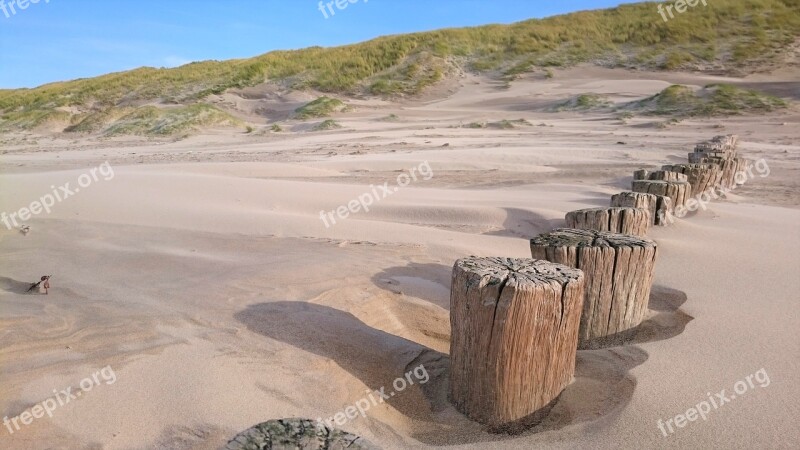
(203,275)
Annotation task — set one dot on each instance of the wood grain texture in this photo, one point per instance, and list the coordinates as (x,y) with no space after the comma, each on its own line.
(619,274)
(659,206)
(721,151)
(723,144)
(678,191)
(514,338)
(702,177)
(297,434)
(625,220)
(664,175)
(728,167)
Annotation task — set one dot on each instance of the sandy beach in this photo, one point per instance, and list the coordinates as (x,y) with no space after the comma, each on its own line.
(201,272)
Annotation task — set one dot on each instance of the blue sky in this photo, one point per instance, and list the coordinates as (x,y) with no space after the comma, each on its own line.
(54,40)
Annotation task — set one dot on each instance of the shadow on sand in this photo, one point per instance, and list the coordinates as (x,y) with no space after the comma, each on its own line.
(602,386)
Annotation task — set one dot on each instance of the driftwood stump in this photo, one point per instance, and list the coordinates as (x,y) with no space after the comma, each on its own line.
(702,177)
(722,146)
(721,150)
(659,206)
(742,165)
(663,175)
(729,167)
(296,434)
(623,220)
(514,338)
(658,175)
(678,191)
(619,275)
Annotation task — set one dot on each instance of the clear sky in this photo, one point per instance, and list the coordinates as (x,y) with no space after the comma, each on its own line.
(53,40)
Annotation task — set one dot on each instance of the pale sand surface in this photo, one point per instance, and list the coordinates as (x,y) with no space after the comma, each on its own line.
(203,275)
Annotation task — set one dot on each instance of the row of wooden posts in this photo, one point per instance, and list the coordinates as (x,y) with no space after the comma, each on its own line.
(516,324)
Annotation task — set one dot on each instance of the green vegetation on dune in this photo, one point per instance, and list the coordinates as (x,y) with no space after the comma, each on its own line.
(31,119)
(504,124)
(329,124)
(677,59)
(152,121)
(410,77)
(726,99)
(321,107)
(728,35)
(713,100)
(96,121)
(584,102)
(676,99)
(390,118)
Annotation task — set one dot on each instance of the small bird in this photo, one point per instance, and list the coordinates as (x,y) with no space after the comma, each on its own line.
(24,229)
(46,280)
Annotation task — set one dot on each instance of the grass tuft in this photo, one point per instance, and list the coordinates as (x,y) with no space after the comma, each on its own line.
(153,121)
(321,107)
(325,125)
(713,100)
(584,102)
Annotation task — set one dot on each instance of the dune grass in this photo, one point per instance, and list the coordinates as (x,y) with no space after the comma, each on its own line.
(325,125)
(95,121)
(321,107)
(584,102)
(152,121)
(733,34)
(712,100)
(390,118)
(747,29)
(726,99)
(31,119)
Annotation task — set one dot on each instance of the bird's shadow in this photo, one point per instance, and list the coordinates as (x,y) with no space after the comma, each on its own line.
(16,286)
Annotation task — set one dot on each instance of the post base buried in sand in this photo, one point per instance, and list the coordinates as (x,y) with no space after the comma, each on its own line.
(625,220)
(659,206)
(702,177)
(678,191)
(619,274)
(514,338)
(721,151)
(728,166)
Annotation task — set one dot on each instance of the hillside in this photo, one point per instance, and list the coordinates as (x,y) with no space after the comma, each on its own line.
(733,37)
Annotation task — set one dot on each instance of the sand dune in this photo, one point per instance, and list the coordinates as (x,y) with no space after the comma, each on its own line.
(204,276)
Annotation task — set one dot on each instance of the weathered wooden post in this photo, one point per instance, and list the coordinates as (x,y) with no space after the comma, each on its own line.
(721,150)
(678,191)
(659,206)
(664,175)
(623,220)
(728,166)
(619,274)
(702,177)
(514,338)
(722,146)
(296,434)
